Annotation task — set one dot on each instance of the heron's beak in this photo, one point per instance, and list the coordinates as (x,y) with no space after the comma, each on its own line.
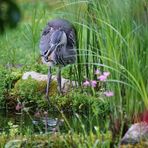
(52,48)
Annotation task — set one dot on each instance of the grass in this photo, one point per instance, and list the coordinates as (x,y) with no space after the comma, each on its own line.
(116,45)
(112,36)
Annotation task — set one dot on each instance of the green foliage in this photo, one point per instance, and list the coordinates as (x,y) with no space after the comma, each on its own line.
(77,101)
(29,90)
(8,77)
(13,129)
(112,36)
(2,85)
(61,140)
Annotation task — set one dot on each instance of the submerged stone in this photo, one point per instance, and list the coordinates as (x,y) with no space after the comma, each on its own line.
(51,123)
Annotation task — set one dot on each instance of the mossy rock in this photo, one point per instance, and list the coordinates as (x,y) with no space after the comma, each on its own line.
(31,89)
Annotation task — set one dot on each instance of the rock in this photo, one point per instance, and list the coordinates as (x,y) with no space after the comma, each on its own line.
(66,83)
(15,143)
(34,75)
(137,134)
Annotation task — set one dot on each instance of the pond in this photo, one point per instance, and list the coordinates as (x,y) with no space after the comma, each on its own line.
(43,122)
(35,122)
(57,127)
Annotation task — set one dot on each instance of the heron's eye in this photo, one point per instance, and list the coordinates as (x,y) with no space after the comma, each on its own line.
(45,52)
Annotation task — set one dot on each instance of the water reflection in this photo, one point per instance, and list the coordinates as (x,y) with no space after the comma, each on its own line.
(49,123)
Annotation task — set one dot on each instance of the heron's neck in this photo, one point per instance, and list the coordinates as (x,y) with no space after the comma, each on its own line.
(64,39)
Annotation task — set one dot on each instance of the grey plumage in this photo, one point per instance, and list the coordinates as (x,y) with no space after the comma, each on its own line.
(57,43)
(58,47)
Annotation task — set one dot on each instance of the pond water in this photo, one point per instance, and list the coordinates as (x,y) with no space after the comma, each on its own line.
(51,122)
(26,121)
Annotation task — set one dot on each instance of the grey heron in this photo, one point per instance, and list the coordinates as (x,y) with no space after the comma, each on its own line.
(58,48)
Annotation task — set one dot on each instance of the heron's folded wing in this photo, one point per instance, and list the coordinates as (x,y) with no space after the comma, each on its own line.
(45,40)
(71,38)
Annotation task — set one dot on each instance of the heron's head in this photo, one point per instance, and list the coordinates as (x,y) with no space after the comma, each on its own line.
(58,38)
(58,41)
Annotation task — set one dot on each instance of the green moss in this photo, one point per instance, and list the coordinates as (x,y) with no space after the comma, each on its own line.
(77,101)
(2,85)
(33,90)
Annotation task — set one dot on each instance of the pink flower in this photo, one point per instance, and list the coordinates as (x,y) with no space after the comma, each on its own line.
(86,83)
(93,83)
(106,73)
(108,93)
(18,106)
(102,78)
(97,72)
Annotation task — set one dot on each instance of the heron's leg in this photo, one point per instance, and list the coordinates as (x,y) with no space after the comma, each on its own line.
(48,84)
(59,80)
